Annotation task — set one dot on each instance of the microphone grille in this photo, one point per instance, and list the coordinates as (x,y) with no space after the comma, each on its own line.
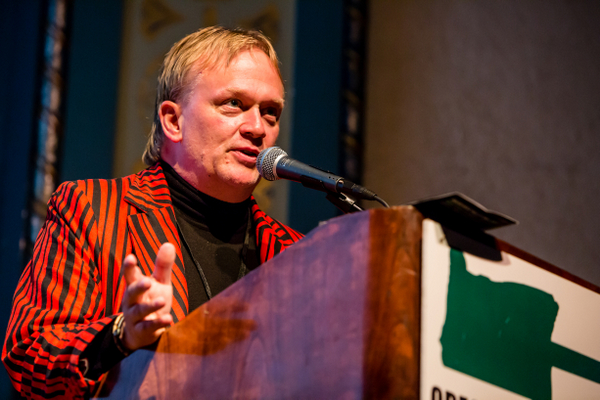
(265,162)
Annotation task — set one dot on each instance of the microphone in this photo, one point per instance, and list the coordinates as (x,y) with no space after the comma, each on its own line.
(273,163)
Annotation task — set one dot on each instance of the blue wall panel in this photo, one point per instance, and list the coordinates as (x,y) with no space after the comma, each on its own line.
(316,125)
(93,73)
(20,32)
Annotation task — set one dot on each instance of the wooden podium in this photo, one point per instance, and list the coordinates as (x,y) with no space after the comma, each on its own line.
(339,315)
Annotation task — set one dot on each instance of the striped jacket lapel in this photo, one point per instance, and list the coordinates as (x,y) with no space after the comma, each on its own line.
(272,237)
(153,225)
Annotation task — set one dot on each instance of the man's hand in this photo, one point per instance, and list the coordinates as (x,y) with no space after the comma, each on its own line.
(147,301)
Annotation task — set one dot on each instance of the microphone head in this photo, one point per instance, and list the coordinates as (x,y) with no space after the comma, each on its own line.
(266,161)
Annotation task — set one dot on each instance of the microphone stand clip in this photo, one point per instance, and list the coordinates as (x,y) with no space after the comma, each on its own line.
(344,203)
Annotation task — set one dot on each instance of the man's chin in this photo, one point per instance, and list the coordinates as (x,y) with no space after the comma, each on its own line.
(243,177)
(243,185)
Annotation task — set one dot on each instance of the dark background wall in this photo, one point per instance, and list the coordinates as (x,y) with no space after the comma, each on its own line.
(20,31)
(499,100)
(94,51)
(316,121)
(92,73)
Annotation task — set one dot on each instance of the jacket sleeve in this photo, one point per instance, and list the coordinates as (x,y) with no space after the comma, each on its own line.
(58,307)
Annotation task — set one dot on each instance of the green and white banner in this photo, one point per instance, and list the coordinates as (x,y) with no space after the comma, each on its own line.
(504,329)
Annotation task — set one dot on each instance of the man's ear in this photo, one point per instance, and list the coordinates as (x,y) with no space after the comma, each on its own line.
(170,114)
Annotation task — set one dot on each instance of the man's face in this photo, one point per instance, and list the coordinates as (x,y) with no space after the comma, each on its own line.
(230,115)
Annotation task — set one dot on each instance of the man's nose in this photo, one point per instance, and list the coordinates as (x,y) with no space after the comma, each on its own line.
(253,124)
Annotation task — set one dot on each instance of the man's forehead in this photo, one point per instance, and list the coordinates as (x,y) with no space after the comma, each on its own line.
(219,69)
(224,61)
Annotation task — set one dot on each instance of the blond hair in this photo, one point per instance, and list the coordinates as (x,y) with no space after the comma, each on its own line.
(200,50)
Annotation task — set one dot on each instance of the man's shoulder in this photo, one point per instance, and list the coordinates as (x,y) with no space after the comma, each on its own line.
(149,182)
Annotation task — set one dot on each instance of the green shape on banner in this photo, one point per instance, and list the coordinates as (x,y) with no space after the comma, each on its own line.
(501,333)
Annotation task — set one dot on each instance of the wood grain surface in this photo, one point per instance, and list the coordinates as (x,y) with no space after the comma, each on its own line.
(336,316)
(394,307)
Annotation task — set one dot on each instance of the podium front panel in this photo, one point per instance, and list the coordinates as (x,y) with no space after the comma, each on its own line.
(504,329)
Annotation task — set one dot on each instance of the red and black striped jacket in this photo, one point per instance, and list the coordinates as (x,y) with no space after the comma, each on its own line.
(73,285)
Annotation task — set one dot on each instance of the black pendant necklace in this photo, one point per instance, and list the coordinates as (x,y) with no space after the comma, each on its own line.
(243,268)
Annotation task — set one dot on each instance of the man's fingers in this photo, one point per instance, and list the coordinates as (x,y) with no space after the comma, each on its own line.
(154,324)
(143,333)
(164,262)
(147,299)
(134,291)
(140,311)
(149,327)
(130,269)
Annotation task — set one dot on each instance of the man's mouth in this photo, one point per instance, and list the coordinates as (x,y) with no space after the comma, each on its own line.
(250,153)
(247,155)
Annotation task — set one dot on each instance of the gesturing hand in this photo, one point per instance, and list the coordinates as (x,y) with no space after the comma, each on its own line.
(147,301)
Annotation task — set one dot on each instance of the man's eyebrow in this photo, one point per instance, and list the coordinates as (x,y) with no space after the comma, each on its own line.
(242,93)
(279,102)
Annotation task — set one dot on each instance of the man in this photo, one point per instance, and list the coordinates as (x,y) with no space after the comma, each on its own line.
(219,100)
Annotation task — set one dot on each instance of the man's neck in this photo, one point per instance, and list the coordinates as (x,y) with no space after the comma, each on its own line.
(220,191)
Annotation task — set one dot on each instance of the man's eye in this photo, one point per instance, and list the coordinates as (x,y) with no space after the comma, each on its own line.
(270,111)
(234,103)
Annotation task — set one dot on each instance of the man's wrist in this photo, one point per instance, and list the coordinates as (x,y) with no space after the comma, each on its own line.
(118,331)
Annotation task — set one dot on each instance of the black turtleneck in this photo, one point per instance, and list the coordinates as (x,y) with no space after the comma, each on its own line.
(215,232)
